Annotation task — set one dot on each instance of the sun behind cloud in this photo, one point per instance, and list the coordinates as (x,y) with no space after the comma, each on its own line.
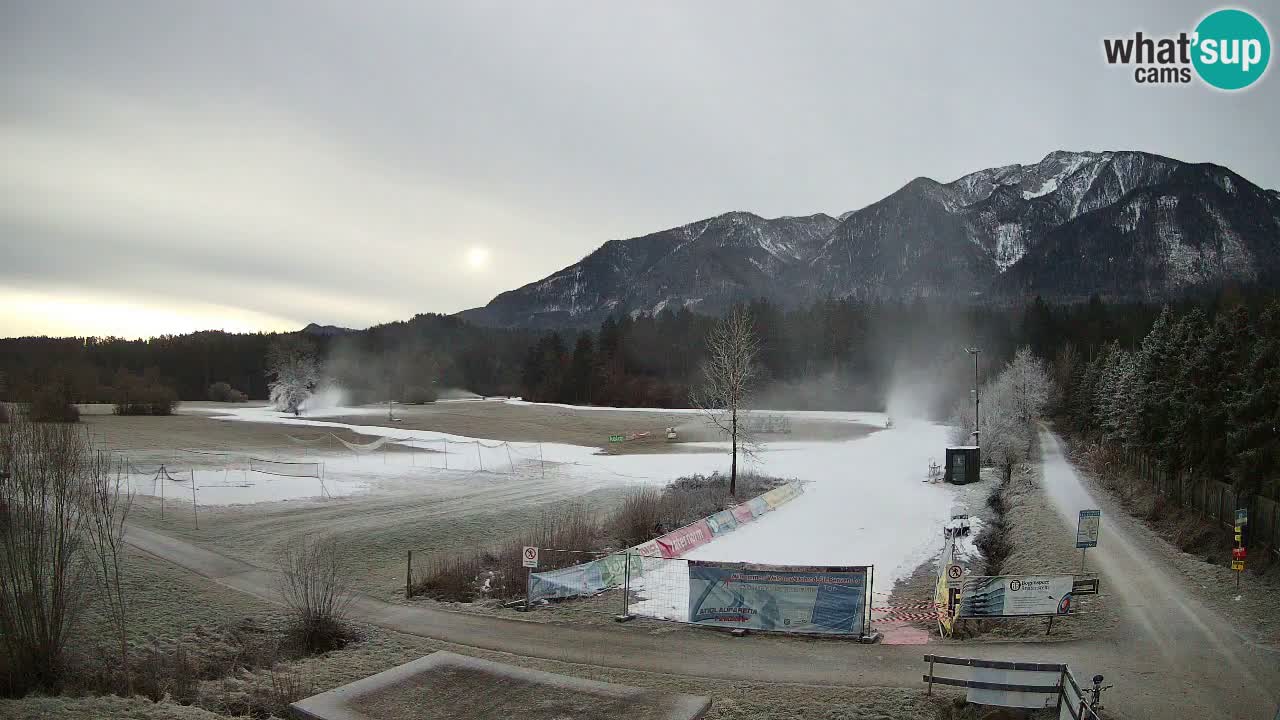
(478,258)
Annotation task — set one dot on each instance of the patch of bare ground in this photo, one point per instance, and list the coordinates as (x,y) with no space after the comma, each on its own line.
(1197,548)
(587,426)
(1029,538)
(377,530)
(219,618)
(384,649)
(100,706)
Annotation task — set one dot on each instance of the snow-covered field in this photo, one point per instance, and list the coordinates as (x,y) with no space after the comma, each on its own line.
(865,504)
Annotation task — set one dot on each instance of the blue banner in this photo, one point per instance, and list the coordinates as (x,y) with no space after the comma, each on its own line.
(822,600)
(578,580)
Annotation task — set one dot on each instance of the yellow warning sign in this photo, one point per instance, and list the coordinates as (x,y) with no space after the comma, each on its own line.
(1237,565)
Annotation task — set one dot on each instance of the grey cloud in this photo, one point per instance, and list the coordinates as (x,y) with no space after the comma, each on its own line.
(331,162)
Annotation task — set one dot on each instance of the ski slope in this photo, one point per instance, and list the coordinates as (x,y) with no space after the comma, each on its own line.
(864,504)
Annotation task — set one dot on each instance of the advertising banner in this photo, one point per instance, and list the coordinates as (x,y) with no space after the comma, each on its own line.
(824,600)
(567,582)
(742,513)
(678,542)
(780,495)
(649,549)
(722,522)
(992,596)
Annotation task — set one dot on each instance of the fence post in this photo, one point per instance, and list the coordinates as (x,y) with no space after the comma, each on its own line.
(1062,686)
(528,587)
(408,577)
(194,512)
(871,594)
(626,592)
(930,690)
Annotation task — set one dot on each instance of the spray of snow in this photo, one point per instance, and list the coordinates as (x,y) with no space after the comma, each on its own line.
(325,397)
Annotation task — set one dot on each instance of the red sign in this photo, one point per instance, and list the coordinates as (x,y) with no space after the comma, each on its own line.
(1237,553)
(678,542)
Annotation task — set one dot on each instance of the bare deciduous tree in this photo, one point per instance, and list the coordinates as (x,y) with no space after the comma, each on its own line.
(110,499)
(730,373)
(317,590)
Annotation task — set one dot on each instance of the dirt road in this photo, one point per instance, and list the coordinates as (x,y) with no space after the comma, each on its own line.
(1168,627)
(1152,687)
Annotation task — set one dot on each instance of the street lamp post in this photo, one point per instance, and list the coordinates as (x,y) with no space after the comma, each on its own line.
(977,437)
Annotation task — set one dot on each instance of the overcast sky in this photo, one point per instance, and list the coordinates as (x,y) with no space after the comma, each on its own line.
(246,165)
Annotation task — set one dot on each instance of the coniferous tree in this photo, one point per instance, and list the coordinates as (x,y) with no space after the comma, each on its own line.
(577,385)
(1254,439)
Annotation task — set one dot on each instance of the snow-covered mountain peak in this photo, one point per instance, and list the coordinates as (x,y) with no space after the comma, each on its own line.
(1116,223)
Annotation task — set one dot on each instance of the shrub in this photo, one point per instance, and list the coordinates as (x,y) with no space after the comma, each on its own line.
(146,400)
(639,517)
(499,572)
(43,572)
(53,404)
(223,392)
(318,593)
(418,395)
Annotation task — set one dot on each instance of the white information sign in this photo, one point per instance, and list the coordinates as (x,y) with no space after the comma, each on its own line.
(1087,528)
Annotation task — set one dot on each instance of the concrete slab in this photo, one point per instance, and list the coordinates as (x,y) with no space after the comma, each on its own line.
(448,685)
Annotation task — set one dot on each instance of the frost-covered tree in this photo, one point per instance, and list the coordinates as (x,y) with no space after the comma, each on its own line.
(1006,437)
(730,373)
(293,372)
(1029,385)
(1012,403)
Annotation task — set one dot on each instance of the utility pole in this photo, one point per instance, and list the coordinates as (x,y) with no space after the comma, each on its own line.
(977,437)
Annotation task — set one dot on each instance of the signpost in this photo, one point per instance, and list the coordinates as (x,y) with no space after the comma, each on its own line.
(1238,552)
(529,558)
(1087,532)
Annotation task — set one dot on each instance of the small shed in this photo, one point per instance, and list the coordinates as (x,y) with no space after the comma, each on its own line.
(963,464)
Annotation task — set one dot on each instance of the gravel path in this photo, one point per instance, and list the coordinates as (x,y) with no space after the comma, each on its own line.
(1168,623)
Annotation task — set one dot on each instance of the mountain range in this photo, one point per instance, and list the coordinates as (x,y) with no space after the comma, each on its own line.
(1122,225)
